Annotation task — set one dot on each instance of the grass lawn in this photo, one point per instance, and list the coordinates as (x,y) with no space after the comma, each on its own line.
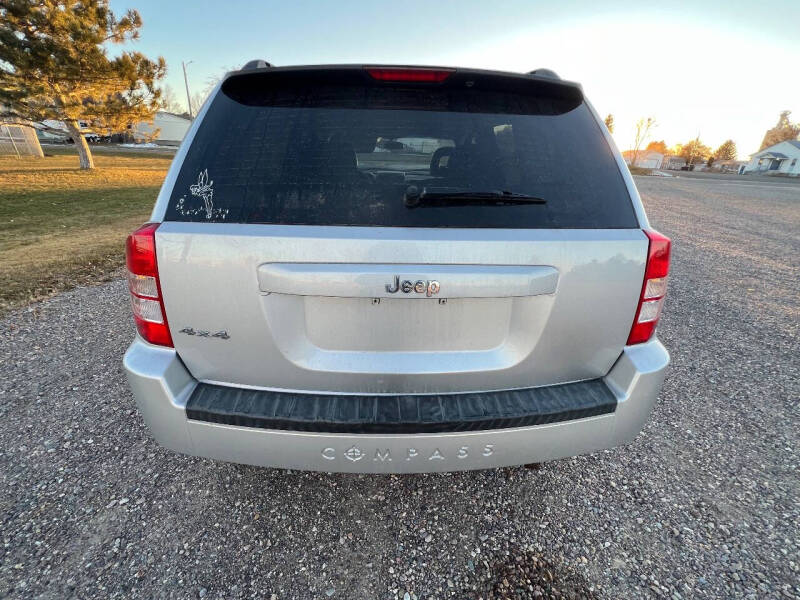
(639,170)
(61,227)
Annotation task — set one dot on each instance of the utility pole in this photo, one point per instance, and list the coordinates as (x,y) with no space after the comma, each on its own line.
(186,82)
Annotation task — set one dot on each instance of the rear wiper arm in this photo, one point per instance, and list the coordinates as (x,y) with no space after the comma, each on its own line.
(443,197)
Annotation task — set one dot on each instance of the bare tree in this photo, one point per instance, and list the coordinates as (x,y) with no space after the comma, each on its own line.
(169,101)
(197,101)
(198,98)
(643,128)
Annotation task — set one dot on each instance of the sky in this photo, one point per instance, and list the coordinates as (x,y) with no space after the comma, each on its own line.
(718,69)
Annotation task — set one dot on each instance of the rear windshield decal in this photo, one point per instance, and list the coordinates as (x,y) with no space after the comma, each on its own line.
(204,189)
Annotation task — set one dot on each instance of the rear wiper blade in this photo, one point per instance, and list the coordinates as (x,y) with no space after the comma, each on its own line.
(454,197)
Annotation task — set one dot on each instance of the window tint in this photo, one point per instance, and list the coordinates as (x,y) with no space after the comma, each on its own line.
(348,155)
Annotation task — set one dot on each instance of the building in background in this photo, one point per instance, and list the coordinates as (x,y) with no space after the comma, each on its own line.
(167,129)
(647,159)
(19,140)
(781,159)
(51,131)
(673,162)
(728,166)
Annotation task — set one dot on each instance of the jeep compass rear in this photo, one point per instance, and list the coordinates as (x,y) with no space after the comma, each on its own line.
(396,269)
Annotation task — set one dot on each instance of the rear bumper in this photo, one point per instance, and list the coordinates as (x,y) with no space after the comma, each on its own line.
(162,387)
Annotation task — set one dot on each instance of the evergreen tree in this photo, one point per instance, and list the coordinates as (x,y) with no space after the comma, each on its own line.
(694,152)
(726,151)
(784,130)
(54,65)
(610,123)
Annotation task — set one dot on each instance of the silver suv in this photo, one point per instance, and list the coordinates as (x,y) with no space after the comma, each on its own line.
(396,269)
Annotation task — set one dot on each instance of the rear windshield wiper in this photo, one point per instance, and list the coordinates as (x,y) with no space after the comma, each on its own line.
(454,197)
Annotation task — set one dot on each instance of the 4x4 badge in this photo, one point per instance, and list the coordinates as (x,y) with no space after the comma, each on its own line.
(223,335)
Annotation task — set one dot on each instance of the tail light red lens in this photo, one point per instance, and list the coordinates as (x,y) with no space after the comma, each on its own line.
(417,74)
(145,288)
(654,288)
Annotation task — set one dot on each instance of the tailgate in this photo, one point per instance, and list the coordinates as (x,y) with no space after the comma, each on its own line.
(311,308)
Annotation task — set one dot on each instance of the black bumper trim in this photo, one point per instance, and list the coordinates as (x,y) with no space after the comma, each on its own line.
(328,413)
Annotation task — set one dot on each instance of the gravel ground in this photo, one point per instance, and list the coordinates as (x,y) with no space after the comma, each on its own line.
(704,504)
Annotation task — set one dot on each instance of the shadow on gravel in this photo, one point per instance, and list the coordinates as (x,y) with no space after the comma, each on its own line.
(523,574)
(434,536)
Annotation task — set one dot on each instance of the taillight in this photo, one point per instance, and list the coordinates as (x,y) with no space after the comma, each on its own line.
(654,288)
(145,288)
(412,74)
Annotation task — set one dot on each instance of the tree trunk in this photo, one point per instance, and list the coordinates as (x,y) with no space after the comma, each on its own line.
(84,153)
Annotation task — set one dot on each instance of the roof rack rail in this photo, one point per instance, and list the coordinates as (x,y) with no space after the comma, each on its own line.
(549,73)
(257,63)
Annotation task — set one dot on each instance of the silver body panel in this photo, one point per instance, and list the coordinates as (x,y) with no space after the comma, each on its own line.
(162,385)
(528,307)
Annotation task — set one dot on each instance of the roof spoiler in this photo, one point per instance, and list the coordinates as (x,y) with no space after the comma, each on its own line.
(260,63)
(256,63)
(548,73)
(544,81)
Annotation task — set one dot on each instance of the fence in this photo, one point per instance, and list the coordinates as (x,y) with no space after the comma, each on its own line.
(19,140)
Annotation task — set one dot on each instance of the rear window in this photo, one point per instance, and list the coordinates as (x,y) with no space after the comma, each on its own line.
(311,151)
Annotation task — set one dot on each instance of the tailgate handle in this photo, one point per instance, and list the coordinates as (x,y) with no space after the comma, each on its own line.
(344,280)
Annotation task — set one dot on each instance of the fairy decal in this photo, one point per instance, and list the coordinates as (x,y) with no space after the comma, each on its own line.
(203,189)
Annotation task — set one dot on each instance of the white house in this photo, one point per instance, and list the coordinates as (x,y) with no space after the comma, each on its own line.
(647,159)
(729,166)
(51,130)
(673,162)
(781,159)
(172,129)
